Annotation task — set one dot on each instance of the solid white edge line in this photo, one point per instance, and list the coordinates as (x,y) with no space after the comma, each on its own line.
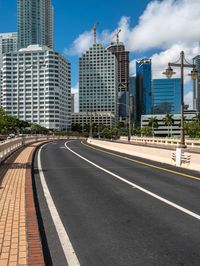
(193,214)
(67,247)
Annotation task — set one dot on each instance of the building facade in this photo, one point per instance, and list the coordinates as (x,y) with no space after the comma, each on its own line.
(72,102)
(196,86)
(122,56)
(35,23)
(36,87)
(98,81)
(132,89)
(164,130)
(143,88)
(166,95)
(8,43)
(99,118)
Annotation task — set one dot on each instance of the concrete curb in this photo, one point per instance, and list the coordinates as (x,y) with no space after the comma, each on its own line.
(154,154)
(35,251)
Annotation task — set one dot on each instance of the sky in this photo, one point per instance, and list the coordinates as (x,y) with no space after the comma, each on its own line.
(156,29)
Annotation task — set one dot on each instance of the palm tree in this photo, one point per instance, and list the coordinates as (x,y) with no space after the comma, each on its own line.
(153,123)
(197,118)
(168,121)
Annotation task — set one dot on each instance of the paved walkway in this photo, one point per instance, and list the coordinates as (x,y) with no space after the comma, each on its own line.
(14,232)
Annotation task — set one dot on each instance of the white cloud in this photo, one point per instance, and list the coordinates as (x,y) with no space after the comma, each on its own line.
(75,89)
(168,25)
(188,99)
(81,44)
(165,23)
(160,60)
(162,24)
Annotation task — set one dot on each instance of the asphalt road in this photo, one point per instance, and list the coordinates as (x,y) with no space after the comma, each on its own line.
(113,223)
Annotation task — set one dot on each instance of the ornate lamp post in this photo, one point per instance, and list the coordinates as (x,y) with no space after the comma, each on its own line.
(181,63)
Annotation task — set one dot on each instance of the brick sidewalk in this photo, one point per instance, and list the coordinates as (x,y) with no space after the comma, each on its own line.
(19,239)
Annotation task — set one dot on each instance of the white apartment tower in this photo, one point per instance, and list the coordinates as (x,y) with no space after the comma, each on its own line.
(35,23)
(98,81)
(36,87)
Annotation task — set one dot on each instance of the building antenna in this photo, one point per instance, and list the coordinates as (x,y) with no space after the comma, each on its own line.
(95,31)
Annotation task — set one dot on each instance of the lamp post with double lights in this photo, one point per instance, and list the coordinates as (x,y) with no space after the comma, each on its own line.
(181,63)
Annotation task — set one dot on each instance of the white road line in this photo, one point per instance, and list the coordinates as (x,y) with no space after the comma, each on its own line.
(193,214)
(68,250)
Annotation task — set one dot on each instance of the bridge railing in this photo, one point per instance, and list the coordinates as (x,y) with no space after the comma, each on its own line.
(9,146)
(163,141)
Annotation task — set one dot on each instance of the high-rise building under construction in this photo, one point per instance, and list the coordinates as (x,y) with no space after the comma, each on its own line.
(122,56)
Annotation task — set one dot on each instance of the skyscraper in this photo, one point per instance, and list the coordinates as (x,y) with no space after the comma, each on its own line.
(166,95)
(36,87)
(122,56)
(98,81)
(8,43)
(35,23)
(196,86)
(143,88)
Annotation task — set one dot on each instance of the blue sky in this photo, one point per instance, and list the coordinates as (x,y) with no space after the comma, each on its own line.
(156,29)
(75,17)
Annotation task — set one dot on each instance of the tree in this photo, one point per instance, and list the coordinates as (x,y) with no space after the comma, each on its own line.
(192,129)
(153,123)
(37,129)
(77,127)
(106,133)
(168,121)
(115,132)
(2,120)
(146,131)
(197,118)
(137,131)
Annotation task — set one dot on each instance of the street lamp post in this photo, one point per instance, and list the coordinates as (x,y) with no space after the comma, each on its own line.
(181,63)
(129,118)
(91,133)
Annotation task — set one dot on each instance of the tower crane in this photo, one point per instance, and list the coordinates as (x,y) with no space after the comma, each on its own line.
(95,31)
(117,36)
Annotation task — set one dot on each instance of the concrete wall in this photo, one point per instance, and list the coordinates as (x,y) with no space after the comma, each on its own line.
(155,154)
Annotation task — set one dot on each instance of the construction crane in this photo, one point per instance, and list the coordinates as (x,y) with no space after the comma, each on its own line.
(117,36)
(95,31)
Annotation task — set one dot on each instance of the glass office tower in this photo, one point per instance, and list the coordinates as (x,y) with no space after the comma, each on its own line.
(143,88)
(196,86)
(166,96)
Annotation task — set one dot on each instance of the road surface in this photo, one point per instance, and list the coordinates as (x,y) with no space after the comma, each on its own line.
(101,208)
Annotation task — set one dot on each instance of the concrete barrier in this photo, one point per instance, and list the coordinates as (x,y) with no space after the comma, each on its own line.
(155,154)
